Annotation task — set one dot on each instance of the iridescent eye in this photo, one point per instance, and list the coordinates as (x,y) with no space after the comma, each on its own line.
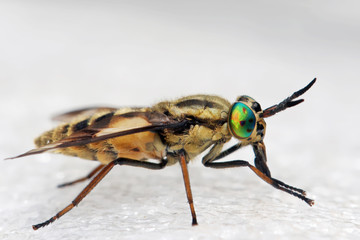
(242,120)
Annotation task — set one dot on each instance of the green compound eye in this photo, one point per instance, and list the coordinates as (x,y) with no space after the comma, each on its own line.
(242,120)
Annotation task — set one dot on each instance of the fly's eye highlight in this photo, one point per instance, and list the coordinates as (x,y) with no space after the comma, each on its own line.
(242,120)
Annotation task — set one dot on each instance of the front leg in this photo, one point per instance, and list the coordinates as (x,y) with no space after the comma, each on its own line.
(260,158)
(259,161)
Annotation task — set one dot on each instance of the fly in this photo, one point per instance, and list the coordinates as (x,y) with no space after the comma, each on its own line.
(169,132)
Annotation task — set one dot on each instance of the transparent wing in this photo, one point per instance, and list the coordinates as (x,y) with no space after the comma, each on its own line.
(118,125)
(81,113)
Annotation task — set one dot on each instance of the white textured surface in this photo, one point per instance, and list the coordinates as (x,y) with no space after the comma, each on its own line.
(63,55)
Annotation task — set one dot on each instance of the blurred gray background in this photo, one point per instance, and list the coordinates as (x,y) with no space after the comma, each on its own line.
(57,56)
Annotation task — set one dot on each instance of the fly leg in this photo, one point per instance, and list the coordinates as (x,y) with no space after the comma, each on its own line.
(82,194)
(185,173)
(89,176)
(104,171)
(272,181)
(261,169)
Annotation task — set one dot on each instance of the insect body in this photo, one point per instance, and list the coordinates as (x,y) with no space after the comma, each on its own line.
(168,132)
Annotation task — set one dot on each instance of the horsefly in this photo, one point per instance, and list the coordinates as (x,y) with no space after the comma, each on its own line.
(169,132)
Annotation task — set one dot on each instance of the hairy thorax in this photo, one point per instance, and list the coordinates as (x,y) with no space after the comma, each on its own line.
(209,124)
